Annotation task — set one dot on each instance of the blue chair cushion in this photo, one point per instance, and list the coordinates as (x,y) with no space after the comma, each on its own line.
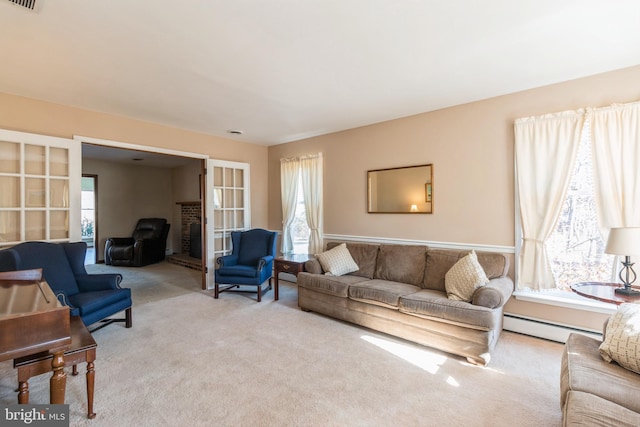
(237,270)
(88,302)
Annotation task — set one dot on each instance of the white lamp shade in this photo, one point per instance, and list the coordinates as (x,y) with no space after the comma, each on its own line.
(623,241)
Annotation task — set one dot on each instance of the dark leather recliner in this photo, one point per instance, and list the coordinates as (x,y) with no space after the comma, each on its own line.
(146,246)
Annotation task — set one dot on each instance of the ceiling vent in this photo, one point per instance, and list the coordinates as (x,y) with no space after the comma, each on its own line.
(29,4)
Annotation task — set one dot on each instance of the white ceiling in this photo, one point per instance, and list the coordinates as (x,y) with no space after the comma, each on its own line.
(282,70)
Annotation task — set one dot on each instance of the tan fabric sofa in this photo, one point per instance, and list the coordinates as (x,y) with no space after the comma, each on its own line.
(594,392)
(400,290)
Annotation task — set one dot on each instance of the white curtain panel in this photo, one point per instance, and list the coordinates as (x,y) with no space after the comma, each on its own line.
(616,156)
(545,151)
(311,173)
(289,169)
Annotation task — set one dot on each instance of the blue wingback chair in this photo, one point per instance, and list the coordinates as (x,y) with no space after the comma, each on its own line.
(93,297)
(250,263)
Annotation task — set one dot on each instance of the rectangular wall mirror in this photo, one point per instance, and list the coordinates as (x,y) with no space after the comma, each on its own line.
(406,189)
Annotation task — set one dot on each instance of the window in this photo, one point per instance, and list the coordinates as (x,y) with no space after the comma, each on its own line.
(300,228)
(576,247)
(301,193)
(576,178)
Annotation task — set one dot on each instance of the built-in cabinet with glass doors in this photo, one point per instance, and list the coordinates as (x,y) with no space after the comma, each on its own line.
(37,200)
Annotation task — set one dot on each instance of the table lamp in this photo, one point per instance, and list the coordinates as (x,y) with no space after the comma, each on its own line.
(625,241)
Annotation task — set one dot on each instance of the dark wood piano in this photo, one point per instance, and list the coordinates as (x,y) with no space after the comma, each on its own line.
(32,320)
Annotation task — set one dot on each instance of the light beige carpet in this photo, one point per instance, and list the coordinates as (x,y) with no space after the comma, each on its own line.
(192,360)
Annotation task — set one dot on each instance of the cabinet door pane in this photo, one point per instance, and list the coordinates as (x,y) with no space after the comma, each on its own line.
(59,193)
(9,226)
(36,228)
(34,162)
(10,159)
(59,161)
(34,192)
(239,181)
(217,177)
(10,194)
(59,224)
(239,198)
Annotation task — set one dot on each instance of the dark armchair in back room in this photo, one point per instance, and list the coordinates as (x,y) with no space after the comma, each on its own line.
(146,246)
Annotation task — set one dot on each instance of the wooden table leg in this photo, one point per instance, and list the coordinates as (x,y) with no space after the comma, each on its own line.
(91,375)
(58,382)
(23,392)
(276,288)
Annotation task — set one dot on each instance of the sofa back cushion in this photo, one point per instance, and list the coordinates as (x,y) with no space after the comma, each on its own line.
(401,263)
(440,261)
(364,255)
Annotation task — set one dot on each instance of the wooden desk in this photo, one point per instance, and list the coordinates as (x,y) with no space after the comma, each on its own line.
(292,264)
(604,292)
(32,320)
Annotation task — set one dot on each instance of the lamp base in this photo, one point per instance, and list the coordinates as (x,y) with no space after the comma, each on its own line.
(627,292)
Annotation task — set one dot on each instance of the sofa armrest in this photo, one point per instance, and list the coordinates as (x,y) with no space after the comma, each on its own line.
(494,294)
(313,266)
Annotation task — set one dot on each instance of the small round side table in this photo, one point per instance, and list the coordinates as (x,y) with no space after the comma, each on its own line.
(604,292)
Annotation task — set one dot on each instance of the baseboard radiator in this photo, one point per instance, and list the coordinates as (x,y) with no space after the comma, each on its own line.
(544,329)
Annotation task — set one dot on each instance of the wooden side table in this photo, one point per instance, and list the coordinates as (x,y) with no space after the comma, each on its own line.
(83,349)
(292,264)
(604,292)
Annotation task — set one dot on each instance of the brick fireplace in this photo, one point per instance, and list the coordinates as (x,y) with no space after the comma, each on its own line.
(190,214)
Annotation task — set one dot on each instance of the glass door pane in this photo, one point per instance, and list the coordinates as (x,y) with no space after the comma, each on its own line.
(227,208)
(39,188)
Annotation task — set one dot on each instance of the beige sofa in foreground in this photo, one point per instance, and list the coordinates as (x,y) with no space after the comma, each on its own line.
(400,290)
(594,392)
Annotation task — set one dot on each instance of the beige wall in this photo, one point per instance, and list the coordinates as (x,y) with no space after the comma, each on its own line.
(471,148)
(28,115)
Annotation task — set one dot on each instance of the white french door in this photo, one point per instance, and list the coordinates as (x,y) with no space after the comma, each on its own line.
(227,200)
(39,188)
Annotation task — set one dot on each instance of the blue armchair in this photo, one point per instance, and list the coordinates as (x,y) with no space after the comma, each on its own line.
(250,263)
(93,297)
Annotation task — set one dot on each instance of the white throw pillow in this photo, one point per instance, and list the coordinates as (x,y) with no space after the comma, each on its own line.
(337,261)
(462,280)
(622,338)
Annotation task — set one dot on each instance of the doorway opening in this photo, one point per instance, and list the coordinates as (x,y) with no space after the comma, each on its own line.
(88,216)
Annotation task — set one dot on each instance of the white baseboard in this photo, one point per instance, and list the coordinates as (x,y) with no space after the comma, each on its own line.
(544,329)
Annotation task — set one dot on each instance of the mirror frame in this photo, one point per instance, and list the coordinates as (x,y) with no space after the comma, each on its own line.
(428,190)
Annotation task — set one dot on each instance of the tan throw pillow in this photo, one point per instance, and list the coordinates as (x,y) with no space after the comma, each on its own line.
(622,338)
(462,280)
(337,261)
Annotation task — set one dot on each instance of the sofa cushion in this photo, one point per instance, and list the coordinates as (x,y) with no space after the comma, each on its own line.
(381,292)
(337,261)
(462,280)
(435,305)
(582,369)
(440,261)
(364,254)
(622,338)
(586,409)
(401,263)
(332,285)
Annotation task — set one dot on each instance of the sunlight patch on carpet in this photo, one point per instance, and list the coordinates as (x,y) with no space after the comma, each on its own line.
(423,359)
